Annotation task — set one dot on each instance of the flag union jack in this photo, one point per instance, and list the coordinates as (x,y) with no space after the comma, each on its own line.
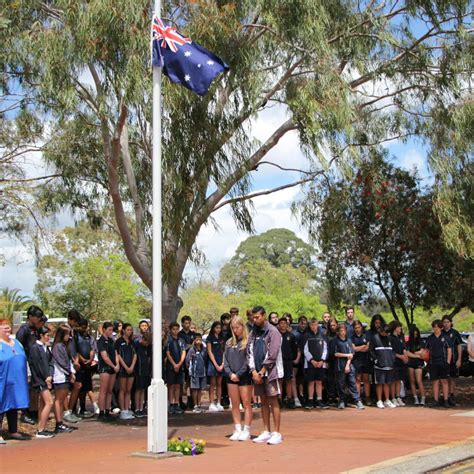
(168,35)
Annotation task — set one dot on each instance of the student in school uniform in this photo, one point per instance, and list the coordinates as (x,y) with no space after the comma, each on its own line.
(455,342)
(401,362)
(315,365)
(266,366)
(300,334)
(415,352)
(349,322)
(239,379)
(439,363)
(127,358)
(142,344)
(63,375)
(225,335)
(42,371)
(108,369)
(215,366)
(383,356)
(361,362)
(187,336)
(175,360)
(291,356)
(331,383)
(196,363)
(343,352)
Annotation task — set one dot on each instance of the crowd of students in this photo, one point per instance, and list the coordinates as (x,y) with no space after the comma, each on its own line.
(256,362)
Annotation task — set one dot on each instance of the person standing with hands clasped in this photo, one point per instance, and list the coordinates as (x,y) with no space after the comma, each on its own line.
(266,366)
(215,368)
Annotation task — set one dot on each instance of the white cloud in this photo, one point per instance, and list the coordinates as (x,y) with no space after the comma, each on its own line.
(412,160)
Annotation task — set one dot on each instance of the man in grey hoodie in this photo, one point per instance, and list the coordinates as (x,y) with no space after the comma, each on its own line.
(266,366)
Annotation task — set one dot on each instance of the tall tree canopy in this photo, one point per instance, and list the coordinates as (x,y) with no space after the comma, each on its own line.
(347,74)
(278,247)
(379,235)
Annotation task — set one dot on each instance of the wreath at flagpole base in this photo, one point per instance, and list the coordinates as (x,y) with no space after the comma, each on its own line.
(186,446)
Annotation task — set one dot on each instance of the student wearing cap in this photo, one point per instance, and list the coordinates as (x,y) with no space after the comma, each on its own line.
(175,360)
(315,365)
(266,366)
(142,344)
(439,363)
(383,356)
(42,371)
(196,363)
(455,342)
(343,352)
(27,336)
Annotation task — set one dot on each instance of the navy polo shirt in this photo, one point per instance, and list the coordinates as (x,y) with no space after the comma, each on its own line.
(454,339)
(438,347)
(106,345)
(125,350)
(361,357)
(217,347)
(175,347)
(289,347)
(344,347)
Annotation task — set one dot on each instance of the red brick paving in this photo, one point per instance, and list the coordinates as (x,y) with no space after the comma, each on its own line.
(318,441)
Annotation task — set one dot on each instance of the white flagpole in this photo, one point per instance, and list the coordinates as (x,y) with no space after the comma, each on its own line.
(157,392)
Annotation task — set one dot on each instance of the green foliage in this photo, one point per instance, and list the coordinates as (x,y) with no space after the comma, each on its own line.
(277,247)
(85,271)
(379,237)
(331,66)
(11,301)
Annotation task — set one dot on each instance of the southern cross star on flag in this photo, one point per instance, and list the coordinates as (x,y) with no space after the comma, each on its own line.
(184,61)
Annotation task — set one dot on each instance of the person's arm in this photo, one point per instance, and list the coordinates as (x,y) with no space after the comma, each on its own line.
(343,354)
(211,355)
(470,347)
(61,358)
(183,358)
(459,361)
(134,362)
(106,359)
(450,355)
(307,354)
(170,359)
(273,348)
(227,369)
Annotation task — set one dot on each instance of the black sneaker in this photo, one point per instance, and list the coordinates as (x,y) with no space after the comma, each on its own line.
(28,419)
(308,406)
(290,404)
(139,414)
(63,429)
(182,406)
(178,410)
(172,410)
(451,401)
(446,404)
(44,434)
(321,405)
(435,404)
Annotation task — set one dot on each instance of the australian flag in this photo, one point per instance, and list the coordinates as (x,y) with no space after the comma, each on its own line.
(184,61)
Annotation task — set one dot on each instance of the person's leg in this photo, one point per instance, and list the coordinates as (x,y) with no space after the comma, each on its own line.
(46,403)
(12,420)
(452,386)
(219,389)
(386,391)
(59,397)
(138,399)
(273,402)
(392,390)
(319,390)
(435,390)
(379,390)
(445,386)
(366,380)
(265,412)
(411,378)
(358,381)
(74,395)
(128,392)
(398,386)
(198,398)
(419,381)
(233,390)
(245,393)
(289,389)
(110,391)
(351,383)
(122,389)
(212,389)
(311,385)
(341,386)
(103,389)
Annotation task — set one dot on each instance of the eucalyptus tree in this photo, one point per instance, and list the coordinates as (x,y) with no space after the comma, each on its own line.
(346,74)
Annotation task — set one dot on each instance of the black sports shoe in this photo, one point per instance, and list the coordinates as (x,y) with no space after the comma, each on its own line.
(63,429)
(182,406)
(446,404)
(308,406)
(44,434)
(321,405)
(451,401)
(25,418)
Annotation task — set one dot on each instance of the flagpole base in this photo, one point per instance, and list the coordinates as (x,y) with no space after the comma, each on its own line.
(157,417)
(167,455)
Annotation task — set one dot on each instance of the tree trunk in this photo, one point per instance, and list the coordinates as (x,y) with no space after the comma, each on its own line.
(171,303)
(457,308)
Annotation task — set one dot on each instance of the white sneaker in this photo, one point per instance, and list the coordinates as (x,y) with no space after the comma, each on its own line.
(389,404)
(123,415)
(197,409)
(130,414)
(415,398)
(276,438)
(235,435)
(394,402)
(380,404)
(213,407)
(422,401)
(297,403)
(116,410)
(244,435)
(400,402)
(219,407)
(263,437)
(96,409)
